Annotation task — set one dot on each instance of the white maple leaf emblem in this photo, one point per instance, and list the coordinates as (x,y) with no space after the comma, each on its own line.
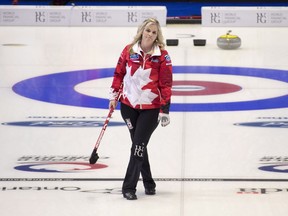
(133,86)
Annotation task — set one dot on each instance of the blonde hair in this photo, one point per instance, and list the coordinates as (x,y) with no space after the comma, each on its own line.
(138,37)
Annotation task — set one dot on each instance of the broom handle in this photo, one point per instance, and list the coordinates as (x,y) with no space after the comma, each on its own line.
(107,120)
(104,128)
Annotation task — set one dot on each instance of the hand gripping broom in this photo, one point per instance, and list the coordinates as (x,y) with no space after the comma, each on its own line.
(94,156)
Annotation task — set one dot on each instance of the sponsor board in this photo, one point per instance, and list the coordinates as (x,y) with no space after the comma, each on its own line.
(28,15)
(245,16)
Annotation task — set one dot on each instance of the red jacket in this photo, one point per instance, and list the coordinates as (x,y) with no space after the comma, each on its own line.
(147,80)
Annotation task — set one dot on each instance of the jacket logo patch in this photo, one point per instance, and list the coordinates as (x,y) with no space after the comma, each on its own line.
(134,56)
(155,60)
(167,57)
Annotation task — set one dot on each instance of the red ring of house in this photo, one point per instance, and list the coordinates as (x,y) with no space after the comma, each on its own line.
(195,88)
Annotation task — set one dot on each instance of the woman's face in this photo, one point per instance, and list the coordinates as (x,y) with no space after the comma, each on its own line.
(150,34)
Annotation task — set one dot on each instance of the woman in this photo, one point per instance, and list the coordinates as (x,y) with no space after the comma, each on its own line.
(143,75)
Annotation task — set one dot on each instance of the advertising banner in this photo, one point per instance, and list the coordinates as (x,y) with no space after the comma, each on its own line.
(245,16)
(80,15)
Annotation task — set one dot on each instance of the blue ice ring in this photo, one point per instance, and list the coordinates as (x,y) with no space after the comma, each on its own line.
(59,88)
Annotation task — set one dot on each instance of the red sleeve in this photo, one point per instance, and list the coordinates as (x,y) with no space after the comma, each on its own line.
(120,70)
(165,81)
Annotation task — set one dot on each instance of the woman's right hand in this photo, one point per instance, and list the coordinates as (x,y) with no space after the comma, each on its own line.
(112,104)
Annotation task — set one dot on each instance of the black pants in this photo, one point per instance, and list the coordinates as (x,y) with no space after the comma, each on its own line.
(141,124)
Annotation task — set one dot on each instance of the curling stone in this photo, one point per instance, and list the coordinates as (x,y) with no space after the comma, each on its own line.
(228,41)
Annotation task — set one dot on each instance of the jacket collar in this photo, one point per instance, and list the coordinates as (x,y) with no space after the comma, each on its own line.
(137,49)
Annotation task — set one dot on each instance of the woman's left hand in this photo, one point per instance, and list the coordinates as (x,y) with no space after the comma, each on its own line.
(164,118)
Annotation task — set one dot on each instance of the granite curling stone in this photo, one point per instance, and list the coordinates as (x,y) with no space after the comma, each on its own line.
(228,41)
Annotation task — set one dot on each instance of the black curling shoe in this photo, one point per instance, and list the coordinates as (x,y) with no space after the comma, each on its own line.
(150,191)
(130,196)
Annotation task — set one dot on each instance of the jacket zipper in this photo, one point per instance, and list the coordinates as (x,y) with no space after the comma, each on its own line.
(143,67)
